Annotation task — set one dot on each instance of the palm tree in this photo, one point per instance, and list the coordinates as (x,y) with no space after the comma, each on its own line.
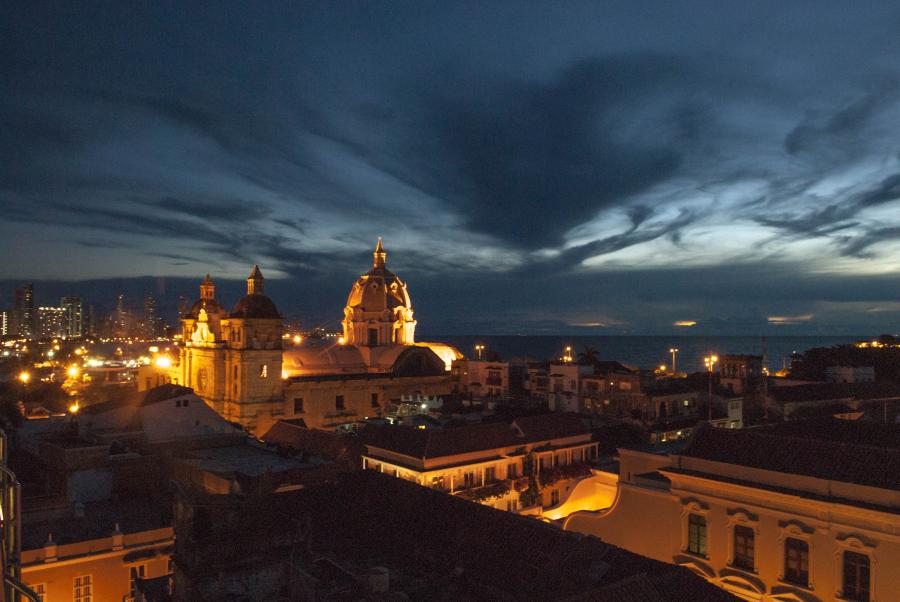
(588,356)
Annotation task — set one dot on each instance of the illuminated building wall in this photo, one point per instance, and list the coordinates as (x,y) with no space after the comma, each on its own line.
(824,527)
(98,569)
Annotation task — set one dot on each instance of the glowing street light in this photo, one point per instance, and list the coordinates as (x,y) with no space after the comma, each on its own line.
(341,340)
(24,377)
(673,351)
(297,339)
(710,361)
(479,350)
(72,371)
(163,361)
(74,407)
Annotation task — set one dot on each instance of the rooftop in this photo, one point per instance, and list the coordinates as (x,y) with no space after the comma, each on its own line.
(248,460)
(436,443)
(832,391)
(447,548)
(313,442)
(847,451)
(99,520)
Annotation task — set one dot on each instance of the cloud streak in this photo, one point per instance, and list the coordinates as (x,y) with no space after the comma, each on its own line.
(576,144)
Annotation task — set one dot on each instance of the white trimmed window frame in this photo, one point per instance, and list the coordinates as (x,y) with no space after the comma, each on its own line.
(688,507)
(794,529)
(743,518)
(853,543)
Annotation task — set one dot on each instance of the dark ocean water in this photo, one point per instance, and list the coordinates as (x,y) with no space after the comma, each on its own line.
(647,351)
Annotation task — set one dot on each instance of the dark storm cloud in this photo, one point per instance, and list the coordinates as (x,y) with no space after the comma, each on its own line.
(636,163)
(839,131)
(532,161)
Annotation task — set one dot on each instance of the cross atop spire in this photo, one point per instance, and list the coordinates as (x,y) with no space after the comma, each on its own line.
(256,282)
(380,255)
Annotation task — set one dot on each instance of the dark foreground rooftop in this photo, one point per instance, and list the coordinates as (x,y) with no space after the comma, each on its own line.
(436,546)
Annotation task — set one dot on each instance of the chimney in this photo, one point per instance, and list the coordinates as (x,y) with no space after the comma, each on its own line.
(118,539)
(50,549)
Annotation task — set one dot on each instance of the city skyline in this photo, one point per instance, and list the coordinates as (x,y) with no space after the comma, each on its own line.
(598,169)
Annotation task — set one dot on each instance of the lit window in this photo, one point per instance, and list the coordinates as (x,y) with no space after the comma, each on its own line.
(796,561)
(697,534)
(856,577)
(82,589)
(264,371)
(744,547)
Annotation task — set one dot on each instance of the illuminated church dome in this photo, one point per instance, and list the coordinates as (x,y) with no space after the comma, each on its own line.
(379,311)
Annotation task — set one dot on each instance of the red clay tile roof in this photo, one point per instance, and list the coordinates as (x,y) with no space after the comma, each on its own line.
(551,426)
(436,443)
(164,393)
(832,449)
(323,444)
(499,554)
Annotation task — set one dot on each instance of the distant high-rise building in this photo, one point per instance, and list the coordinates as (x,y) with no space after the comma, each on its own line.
(4,323)
(51,322)
(151,318)
(184,304)
(73,325)
(24,311)
(120,318)
(88,322)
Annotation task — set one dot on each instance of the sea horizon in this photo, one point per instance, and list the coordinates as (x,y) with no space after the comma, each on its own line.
(648,351)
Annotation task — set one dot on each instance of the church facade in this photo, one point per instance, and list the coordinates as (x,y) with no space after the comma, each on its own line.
(233,359)
(236,361)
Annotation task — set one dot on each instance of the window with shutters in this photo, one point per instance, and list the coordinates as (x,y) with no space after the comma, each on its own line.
(856,577)
(744,547)
(796,561)
(697,534)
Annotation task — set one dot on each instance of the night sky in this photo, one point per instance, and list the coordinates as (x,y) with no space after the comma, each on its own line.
(604,168)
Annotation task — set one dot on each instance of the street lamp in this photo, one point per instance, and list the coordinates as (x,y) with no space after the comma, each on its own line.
(568,356)
(709,361)
(478,350)
(673,351)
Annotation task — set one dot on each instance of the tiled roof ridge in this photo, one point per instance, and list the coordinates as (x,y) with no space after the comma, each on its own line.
(793,437)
